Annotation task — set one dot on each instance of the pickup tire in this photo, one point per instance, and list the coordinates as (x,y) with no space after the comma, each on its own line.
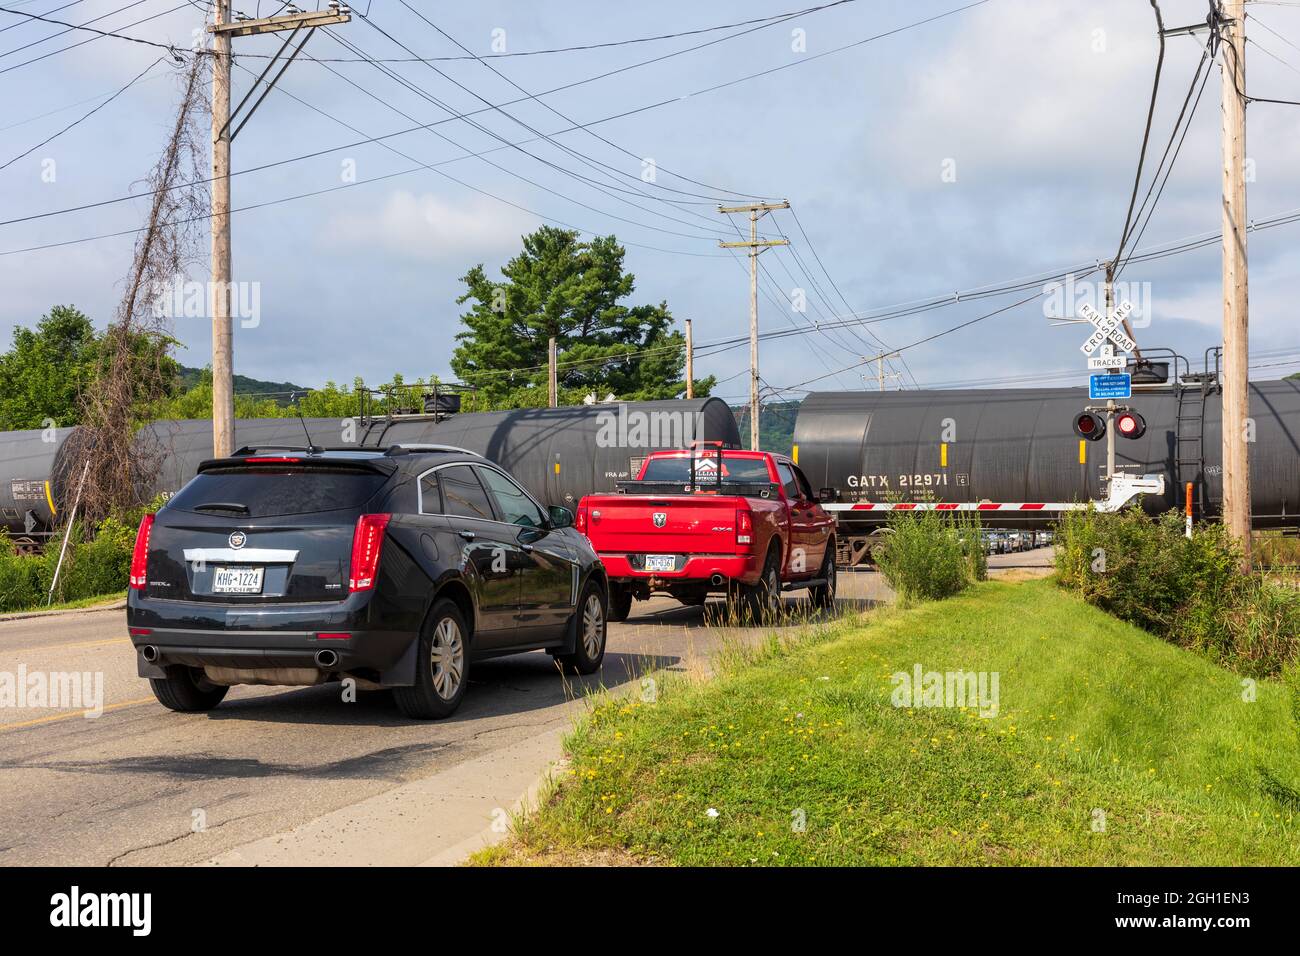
(186,691)
(442,666)
(620,603)
(761,602)
(823,595)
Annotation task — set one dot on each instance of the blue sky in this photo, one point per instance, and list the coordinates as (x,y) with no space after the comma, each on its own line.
(993,144)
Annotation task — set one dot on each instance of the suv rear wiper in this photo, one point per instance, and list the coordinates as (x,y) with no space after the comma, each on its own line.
(223,506)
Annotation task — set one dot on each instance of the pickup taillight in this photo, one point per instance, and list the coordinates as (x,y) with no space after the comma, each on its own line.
(580,519)
(367,544)
(140,556)
(744,526)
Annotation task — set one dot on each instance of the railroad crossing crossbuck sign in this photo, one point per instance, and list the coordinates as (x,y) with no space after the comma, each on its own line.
(1107,328)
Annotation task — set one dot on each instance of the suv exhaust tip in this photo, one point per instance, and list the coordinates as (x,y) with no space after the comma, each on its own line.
(149,653)
(326,659)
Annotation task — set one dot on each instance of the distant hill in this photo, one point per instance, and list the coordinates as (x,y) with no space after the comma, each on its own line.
(244,385)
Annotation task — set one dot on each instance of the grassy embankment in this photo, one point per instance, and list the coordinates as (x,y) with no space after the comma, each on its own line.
(1111,747)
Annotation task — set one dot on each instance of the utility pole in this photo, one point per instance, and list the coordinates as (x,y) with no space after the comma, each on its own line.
(1236,458)
(223,30)
(880,369)
(756,211)
(690,362)
(552,378)
(223,388)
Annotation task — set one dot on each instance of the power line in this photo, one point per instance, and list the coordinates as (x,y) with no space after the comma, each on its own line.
(1146,133)
(174,51)
(621,115)
(85,116)
(1118,267)
(70,27)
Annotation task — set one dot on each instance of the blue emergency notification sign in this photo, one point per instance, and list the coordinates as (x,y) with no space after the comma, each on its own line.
(1110,386)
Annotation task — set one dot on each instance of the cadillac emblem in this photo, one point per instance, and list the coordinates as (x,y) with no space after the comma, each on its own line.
(237,539)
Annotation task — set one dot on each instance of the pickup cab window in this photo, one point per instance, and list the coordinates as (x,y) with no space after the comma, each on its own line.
(743,470)
(789,483)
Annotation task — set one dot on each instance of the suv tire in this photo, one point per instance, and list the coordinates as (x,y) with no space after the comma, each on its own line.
(442,666)
(185,690)
(591,632)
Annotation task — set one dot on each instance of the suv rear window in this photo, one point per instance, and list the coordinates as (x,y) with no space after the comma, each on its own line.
(745,470)
(269,493)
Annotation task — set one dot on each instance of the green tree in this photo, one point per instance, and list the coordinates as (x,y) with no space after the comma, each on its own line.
(50,367)
(44,372)
(572,290)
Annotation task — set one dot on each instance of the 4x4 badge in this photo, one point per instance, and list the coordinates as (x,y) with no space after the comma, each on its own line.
(660,518)
(237,539)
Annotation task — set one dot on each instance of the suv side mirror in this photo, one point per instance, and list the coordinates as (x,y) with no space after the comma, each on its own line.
(560,517)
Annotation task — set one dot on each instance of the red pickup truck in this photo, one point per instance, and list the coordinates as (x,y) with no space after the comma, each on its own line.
(708,520)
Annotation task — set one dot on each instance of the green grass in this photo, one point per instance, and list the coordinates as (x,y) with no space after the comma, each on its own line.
(76,605)
(1096,717)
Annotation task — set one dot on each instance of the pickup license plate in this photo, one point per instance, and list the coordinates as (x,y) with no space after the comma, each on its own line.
(660,562)
(237,580)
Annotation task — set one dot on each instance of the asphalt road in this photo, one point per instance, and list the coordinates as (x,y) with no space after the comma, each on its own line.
(127,787)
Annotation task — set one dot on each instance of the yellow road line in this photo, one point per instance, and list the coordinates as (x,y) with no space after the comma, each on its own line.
(56,647)
(79,713)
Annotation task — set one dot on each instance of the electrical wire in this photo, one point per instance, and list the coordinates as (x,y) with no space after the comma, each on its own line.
(85,116)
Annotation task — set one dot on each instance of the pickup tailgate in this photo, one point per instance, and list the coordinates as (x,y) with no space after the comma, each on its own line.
(675,524)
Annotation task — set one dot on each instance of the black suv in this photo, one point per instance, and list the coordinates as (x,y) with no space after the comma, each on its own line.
(395,568)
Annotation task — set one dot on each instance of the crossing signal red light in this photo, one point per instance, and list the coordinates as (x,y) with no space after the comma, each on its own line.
(1089,426)
(1130,425)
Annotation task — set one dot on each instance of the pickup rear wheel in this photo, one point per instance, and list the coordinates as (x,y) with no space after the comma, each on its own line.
(186,690)
(620,602)
(761,602)
(823,595)
(442,666)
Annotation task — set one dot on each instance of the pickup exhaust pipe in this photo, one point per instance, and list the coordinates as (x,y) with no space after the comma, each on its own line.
(149,653)
(326,659)
(717,580)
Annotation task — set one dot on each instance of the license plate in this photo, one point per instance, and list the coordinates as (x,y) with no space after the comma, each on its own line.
(660,562)
(237,580)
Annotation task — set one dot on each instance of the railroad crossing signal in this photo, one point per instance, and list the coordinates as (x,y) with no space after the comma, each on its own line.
(1109,327)
(1130,424)
(1090,426)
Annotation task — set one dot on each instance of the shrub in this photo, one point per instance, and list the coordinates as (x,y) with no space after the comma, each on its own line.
(1188,591)
(929,556)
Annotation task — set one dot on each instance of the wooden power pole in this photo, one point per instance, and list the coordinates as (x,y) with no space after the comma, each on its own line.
(1236,408)
(223,30)
(690,362)
(756,211)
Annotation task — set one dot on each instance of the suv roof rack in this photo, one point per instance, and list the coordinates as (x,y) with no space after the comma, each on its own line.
(411,448)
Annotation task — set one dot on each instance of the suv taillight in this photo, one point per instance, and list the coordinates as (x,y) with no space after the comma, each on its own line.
(580,519)
(744,527)
(140,556)
(367,543)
